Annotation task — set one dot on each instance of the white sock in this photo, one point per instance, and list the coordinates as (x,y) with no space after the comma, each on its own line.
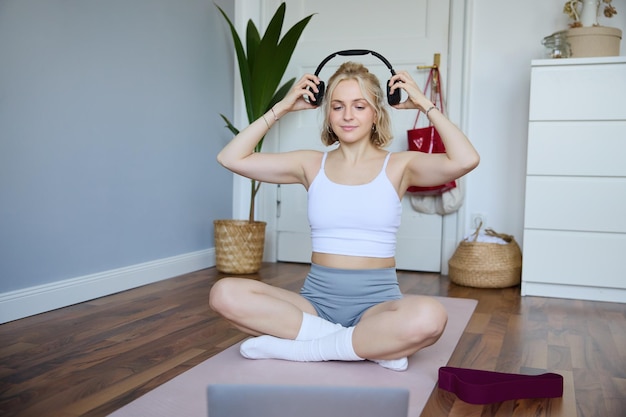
(334,347)
(314,327)
(394,364)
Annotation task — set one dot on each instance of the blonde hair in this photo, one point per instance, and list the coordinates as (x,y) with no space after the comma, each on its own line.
(373,94)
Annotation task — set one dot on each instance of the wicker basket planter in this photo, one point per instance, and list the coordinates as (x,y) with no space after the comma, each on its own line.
(485,264)
(239,246)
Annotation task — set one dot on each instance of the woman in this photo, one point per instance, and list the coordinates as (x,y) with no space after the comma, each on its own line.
(350,307)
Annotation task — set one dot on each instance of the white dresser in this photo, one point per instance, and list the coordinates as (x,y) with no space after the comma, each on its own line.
(575,210)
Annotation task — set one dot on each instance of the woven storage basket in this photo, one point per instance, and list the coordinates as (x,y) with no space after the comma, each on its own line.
(486,265)
(239,246)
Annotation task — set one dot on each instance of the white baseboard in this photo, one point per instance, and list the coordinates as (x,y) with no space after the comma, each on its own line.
(39,299)
(574,292)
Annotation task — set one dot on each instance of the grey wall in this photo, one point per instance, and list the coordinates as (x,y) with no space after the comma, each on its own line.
(109,127)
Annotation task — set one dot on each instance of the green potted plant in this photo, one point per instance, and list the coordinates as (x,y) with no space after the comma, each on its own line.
(239,244)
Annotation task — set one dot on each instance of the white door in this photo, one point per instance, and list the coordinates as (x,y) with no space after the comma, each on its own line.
(407,33)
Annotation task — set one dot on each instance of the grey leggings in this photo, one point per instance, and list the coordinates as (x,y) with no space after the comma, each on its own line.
(343,295)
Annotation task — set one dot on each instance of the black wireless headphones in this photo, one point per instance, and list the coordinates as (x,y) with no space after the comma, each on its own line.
(392,99)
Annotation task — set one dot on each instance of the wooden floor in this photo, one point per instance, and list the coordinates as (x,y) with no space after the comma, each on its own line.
(92,358)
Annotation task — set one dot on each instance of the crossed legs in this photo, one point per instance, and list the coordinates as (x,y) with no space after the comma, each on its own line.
(387,333)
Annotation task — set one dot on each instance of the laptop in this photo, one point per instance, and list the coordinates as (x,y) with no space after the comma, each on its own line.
(241,400)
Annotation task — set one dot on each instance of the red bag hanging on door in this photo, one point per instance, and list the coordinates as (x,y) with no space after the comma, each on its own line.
(427,139)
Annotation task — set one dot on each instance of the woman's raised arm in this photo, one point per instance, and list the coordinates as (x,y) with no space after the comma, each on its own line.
(239,156)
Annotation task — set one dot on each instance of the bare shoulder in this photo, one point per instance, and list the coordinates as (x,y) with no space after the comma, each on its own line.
(401,157)
(308,158)
(399,161)
(310,161)
(399,166)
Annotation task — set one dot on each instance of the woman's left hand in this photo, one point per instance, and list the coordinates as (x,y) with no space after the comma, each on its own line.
(416,98)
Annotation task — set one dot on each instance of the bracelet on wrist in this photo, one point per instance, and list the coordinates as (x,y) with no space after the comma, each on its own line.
(429,109)
(274,114)
(266,123)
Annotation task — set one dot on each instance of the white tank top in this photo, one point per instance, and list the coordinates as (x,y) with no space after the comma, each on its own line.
(356,220)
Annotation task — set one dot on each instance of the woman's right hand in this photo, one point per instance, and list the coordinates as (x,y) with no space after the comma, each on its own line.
(300,96)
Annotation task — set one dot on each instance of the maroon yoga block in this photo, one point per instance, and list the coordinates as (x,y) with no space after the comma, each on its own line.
(484,387)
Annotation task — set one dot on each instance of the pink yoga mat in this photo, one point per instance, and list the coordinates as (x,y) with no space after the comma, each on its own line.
(185,395)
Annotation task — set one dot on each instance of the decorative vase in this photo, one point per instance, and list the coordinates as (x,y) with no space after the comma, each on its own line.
(589,12)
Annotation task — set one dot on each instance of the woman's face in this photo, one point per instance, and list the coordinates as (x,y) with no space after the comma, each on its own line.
(351,116)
